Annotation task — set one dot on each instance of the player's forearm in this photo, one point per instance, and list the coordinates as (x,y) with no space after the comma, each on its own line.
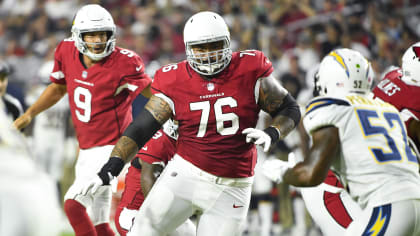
(126,148)
(136,135)
(302,175)
(275,100)
(147,177)
(51,95)
(284,125)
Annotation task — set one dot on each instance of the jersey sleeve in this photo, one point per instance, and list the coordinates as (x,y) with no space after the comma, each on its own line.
(264,65)
(57,75)
(163,79)
(135,77)
(322,112)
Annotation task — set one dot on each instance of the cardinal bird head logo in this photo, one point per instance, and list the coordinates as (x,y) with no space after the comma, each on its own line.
(416,51)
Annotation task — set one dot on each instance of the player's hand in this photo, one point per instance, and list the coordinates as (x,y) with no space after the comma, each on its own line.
(22,121)
(258,137)
(108,172)
(274,169)
(94,184)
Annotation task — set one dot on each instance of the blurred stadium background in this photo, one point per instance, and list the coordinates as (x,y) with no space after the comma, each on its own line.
(295,35)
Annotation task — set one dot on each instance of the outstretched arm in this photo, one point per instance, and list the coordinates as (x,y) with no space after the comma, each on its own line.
(51,95)
(156,112)
(313,170)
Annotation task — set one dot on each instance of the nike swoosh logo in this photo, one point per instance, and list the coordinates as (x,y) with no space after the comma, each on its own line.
(236,206)
(139,68)
(144,148)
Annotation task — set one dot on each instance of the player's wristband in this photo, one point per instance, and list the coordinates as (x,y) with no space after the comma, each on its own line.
(136,163)
(113,166)
(273,132)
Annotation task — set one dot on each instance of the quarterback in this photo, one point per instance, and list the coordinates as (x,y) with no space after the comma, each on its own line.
(101,81)
(365,142)
(216,96)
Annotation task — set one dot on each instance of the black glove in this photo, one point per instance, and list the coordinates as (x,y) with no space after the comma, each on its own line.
(114,166)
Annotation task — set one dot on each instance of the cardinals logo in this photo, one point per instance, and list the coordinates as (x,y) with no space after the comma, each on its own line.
(416,51)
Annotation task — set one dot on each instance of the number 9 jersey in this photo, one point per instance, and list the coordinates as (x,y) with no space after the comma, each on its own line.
(213,112)
(100,97)
(375,162)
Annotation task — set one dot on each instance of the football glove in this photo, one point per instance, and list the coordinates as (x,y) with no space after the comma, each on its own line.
(106,175)
(274,169)
(261,137)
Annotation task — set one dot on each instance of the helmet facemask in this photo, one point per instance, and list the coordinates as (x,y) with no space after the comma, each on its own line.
(207,43)
(93,18)
(212,61)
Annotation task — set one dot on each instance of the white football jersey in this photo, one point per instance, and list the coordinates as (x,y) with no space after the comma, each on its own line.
(375,162)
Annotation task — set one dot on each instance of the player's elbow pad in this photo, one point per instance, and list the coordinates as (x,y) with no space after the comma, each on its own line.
(289,108)
(142,128)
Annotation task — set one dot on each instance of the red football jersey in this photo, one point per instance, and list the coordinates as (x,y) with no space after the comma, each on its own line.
(100,97)
(213,113)
(159,149)
(393,90)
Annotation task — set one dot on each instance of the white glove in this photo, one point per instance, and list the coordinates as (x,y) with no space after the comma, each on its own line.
(93,184)
(258,137)
(274,169)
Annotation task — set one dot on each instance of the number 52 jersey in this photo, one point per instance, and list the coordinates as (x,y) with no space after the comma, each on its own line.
(212,113)
(100,97)
(375,162)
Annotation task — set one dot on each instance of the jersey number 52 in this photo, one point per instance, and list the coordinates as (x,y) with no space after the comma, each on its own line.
(374,128)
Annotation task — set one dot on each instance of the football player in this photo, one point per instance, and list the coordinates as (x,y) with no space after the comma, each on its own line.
(401,88)
(216,96)
(365,142)
(101,81)
(141,176)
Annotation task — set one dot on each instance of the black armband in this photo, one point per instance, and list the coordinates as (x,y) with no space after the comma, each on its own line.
(113,166)
(288,108)
(274,134)
(142,128)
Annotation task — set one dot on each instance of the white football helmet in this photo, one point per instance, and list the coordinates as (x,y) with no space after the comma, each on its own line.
(93,18)
(344,71)
(411,65)
(207,27)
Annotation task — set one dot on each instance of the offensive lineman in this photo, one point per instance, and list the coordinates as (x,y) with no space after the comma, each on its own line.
(216,96)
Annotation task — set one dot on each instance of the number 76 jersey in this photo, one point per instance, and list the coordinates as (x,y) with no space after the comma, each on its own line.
(375,162)
(212,113)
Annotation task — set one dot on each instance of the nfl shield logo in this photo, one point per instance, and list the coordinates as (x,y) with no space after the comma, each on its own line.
(210,86)
(84,74)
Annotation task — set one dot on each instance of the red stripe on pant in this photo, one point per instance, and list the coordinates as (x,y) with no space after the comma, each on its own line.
(336,208)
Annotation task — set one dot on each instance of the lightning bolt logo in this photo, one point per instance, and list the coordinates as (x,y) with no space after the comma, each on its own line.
(340,61)
(379,221)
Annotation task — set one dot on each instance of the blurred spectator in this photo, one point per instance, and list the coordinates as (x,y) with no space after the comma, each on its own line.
(13,107)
